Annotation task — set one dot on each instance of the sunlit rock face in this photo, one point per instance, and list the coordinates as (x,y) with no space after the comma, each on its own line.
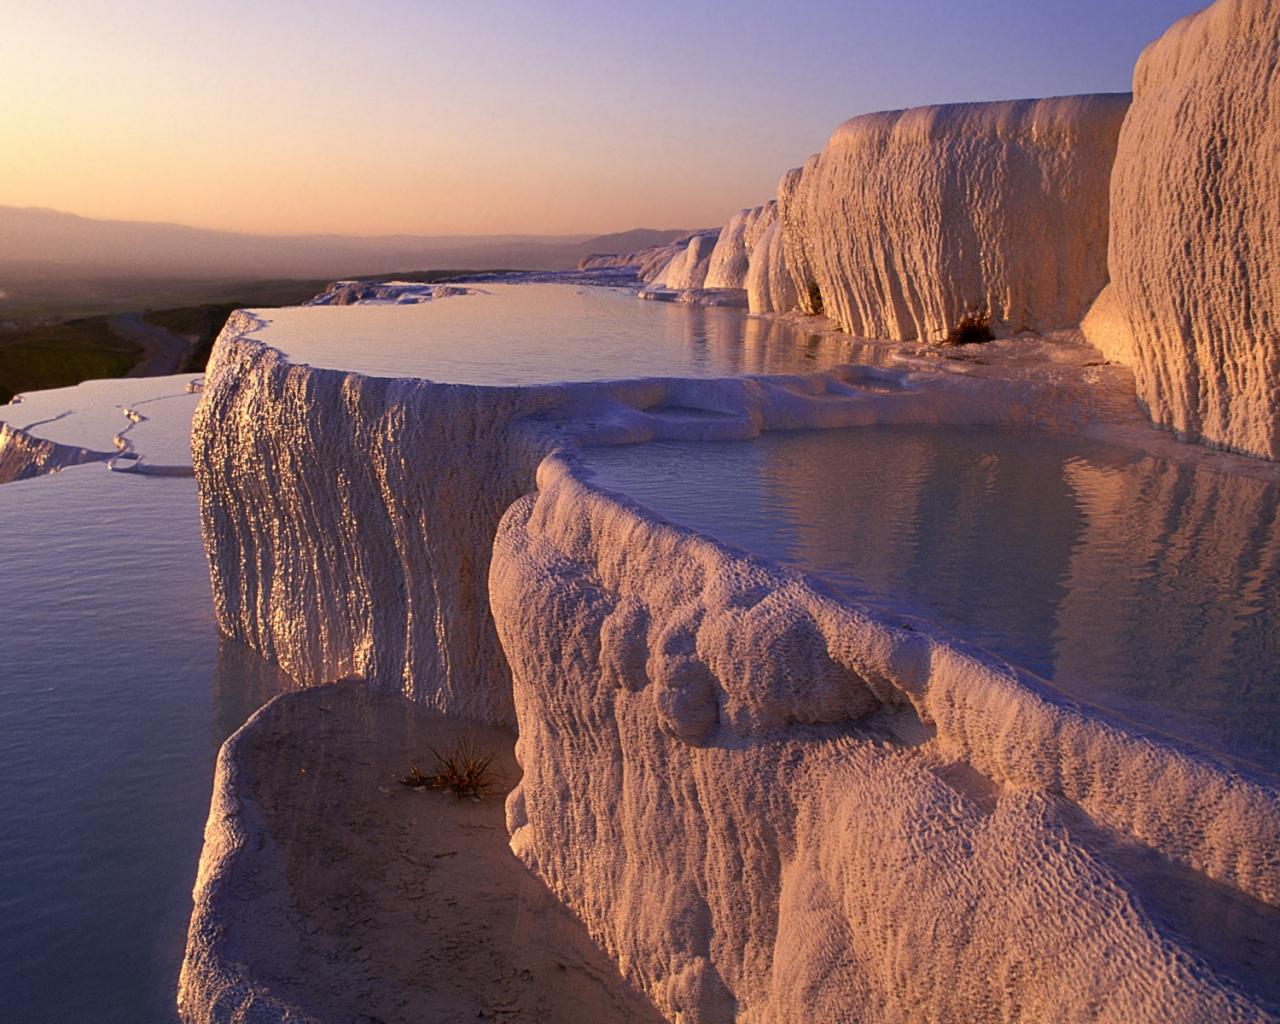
(769,283)
(1195,240)
(731,258)
(648,263)
(348,520)
(768,805)
(687,269)
(909,218)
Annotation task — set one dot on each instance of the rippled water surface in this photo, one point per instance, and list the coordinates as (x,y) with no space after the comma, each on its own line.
(115,694)
(542,333)
(1144,586)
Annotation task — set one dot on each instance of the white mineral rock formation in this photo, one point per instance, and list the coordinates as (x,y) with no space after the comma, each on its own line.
(140,425)
(1194,301)
(769,283)
(732,256)
(272,938)
(648,262)
(909,218)
(397,293)
(687,269)
(771,806)
(349,519)
(683,712)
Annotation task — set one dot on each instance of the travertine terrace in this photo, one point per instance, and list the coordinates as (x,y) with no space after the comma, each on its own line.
(764,801)
(134,425)
(908,219)
(716,720)
(736,246)
(1194,299)
(723,668)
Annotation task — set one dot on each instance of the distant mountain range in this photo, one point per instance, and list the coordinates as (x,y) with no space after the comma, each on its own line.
(50,245)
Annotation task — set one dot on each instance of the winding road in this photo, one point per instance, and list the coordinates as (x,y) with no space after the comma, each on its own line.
(163,351)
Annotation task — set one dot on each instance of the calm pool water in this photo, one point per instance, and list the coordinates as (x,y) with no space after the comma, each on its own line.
(542,333)
(115,694)
(1144,586)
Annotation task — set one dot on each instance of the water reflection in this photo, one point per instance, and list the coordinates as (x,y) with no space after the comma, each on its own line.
(1149,587)
(523,334)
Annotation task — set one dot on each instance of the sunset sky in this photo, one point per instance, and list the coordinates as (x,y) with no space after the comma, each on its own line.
(489,117)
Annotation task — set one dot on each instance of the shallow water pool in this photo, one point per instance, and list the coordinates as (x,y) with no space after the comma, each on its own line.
(115,694)
(545,333)
(1144,586)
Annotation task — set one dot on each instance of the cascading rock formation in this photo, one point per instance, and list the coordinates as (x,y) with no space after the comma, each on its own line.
(766,803)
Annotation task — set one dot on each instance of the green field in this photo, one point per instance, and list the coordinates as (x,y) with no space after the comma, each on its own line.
(56,355)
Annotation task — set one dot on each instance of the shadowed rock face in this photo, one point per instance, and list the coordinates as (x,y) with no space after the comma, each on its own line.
(908,218)
(23,456)
(328,893)
(1194,302)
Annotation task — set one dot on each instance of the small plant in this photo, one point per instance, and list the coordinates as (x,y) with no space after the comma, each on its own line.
(973,328)
(462,770)
(815,299)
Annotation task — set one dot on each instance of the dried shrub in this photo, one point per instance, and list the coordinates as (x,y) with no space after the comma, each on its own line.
(973,328)
(462,770)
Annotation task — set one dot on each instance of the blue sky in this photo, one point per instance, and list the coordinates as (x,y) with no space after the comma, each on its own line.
(496,116)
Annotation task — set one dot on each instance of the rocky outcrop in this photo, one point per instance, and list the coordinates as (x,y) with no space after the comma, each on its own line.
(385,293)
(769,282)
(714,269)
(908,219)
(1194,304)
(769,805)
(687,268)
(648,263)
(731,258)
